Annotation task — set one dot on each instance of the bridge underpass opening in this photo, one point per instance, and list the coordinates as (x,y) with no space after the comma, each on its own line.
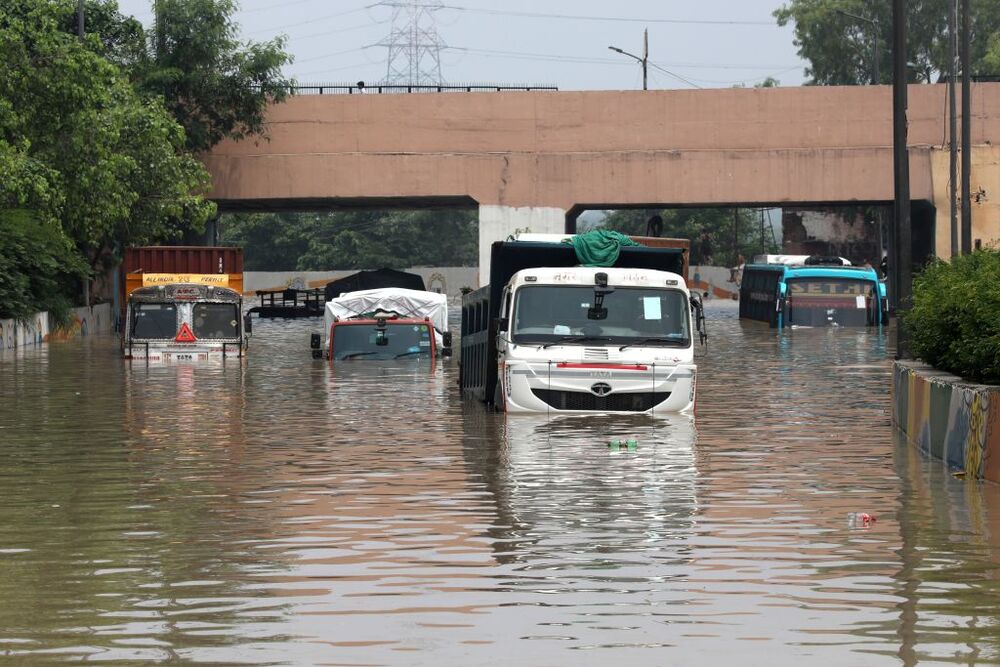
(722,238)
(306,243)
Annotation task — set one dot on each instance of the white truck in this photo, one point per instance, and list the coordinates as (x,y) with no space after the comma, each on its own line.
(548,335)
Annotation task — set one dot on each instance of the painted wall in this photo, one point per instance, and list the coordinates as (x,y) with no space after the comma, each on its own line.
(948,418)
(83,322)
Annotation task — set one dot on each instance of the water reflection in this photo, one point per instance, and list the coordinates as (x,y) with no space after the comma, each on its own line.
(283,511)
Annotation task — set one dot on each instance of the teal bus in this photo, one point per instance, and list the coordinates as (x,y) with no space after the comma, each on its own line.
(792,290)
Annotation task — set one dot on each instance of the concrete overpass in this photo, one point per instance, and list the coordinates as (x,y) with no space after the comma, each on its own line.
(535,160)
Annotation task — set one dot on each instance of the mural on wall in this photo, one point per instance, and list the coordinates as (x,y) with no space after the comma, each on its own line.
(948,419)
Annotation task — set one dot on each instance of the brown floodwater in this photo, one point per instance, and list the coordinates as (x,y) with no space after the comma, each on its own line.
(277,511)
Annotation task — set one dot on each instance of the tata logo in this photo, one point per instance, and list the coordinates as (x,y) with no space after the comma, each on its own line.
(600,389)
(600,374)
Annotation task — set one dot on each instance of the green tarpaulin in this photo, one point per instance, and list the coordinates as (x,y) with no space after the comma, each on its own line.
(599,247)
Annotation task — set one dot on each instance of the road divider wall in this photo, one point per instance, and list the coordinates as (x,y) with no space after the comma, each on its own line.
(948,418)
(36,330)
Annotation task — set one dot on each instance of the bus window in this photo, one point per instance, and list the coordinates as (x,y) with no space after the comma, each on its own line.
(151,321)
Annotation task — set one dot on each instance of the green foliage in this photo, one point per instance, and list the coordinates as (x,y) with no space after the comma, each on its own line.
(37,264)
(991,61)
(840,47)
(354,239)
(214,85)
(716,225)
(79,146)
(955,320)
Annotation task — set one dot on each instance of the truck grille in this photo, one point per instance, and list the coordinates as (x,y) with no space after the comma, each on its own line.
(595,353)
(584,400)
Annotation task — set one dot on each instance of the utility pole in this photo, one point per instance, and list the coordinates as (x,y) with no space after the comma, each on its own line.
(902,264)
(644,61)
(966,131)
(953,124)
(80,9)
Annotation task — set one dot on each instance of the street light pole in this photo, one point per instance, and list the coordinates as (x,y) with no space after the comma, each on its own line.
(953,125)
(902,284)
(80,19)
(966,131)
(644,60)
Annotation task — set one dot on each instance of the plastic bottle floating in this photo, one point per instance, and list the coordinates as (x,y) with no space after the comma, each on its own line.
(857,520)
(629,445)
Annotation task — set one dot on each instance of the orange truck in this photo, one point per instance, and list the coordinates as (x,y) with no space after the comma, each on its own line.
(183,303)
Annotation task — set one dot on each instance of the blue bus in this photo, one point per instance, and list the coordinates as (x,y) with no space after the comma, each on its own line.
(786,290)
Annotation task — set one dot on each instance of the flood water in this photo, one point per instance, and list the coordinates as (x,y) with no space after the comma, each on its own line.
(281,512)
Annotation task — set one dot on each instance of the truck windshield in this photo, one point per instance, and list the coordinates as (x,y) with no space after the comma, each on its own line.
(360,341)
(216,320)
(818,302)
(641,315)
(152,321)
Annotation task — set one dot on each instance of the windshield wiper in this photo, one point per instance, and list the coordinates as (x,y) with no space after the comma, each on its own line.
(673,342)
(356,354)
(403,354)
(574,339)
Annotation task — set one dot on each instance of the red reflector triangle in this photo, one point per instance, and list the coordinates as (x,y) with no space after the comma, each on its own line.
(185,335)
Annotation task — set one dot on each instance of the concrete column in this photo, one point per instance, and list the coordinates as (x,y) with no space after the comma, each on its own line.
(496,223)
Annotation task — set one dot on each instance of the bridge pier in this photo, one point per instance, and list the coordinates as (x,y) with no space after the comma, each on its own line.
(496,223)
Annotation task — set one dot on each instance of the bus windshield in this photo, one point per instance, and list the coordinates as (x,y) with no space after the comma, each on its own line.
(829,301)
(360,341)
(634,315)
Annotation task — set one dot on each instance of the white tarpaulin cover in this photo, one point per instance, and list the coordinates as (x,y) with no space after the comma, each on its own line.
(407,303)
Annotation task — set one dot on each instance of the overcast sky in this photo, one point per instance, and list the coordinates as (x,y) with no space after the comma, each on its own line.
(713,43)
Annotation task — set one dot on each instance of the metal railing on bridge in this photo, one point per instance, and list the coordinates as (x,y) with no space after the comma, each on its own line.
(361,88)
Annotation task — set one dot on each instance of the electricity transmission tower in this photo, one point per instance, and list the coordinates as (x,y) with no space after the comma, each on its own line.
(414,44)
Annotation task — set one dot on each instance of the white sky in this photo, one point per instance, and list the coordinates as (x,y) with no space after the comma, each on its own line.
(736,41)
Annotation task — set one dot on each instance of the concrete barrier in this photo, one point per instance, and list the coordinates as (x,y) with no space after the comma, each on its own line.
(948,418)
(35,330)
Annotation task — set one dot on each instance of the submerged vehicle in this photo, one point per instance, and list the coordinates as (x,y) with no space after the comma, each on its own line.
(384,324)
(549,335)
(814,291)
(183,304)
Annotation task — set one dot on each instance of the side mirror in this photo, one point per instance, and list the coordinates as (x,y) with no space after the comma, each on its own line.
(248,324)
(698,308)
(315,341)
(446,343)
(500,324)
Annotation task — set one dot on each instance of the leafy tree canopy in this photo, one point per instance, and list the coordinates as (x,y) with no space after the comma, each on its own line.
(215,85)
(354,239)
(838,37)
(80,147)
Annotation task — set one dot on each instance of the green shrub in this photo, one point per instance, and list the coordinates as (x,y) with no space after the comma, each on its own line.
(955,320)
(39,267)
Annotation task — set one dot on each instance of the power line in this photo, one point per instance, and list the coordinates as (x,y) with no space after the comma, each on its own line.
(579,17)
(315,19)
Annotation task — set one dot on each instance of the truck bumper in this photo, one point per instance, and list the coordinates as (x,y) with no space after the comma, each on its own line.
(580,389)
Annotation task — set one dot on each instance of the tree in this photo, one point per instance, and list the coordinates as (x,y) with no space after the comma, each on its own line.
(80,147)
(216,86)
(354,239)
(37,267)
(837,37)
